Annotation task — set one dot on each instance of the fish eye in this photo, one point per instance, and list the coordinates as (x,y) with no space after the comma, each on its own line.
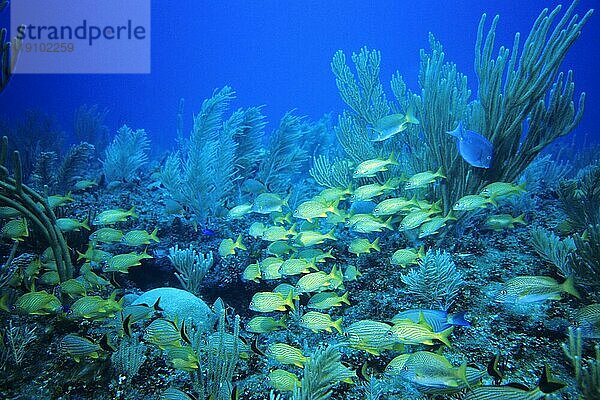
(295,211)
(489,157)
(503,292)
(376,210)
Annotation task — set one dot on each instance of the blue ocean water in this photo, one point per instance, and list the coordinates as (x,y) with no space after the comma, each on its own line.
(233,231)
(279,54)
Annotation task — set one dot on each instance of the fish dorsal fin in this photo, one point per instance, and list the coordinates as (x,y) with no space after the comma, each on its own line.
(362,372)
(255,348)
(183,333)
(127,325)
(105,343)
(424,322)
(495,369)
(546,384)
(157,306)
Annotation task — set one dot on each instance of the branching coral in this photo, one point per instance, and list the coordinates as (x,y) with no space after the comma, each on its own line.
(285,155)
(74,166)
(436,281)
(336,173)
(322,371)
(88,126)
(587,371)
(516,88)
(585,261)
(557,251)
(581,199)
(365,96)
(127,153)
(201,175)
(191,267)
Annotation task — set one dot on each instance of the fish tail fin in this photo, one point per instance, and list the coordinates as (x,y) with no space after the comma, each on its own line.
(450,216)
(338,326)
(153,235)
(289,300)
(492,200)
(439,173)
(281,321)
(80,255)
(462,374)
(458,319)
(286,200)
(375,245)
(132,213)
(392,159)
(334,208)
(4,303)
(421,251)
(238,243)
(443,336)
(520,219)
(388,223)
(330,234)
(85,224)
(522,187)
(344,298)
(69,196)
(569,287)
(292,231)
(410,116)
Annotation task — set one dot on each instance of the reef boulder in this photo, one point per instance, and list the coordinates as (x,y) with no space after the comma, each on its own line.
(181,304)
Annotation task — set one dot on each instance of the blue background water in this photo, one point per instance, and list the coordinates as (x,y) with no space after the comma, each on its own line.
(278,53)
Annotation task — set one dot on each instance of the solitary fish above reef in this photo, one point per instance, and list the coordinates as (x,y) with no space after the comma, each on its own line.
(58,200)
(283,380)
(270,301)
(369,168)
(502,221)
(516,391)
(286,354)
(266,203)
(474,148)
(391,125)
(15,229)
(439,320)
(140,237)
(265,324)
(239,211)
(38,303)
(79,347)
(70,224)
(107,235)
(85,184)
(532,289)
(433,370)
(110,217)
(227,247)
